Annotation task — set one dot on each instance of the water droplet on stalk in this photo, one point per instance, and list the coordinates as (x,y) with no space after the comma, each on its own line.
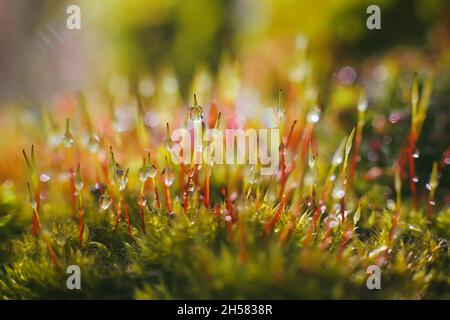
(78,180)
(143,174)
(311,158)
(168,176)
(67,136)
(123,181)
(142,201)
(282,149)
(196,112)
(31,198)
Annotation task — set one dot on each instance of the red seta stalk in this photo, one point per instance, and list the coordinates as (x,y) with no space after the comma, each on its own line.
(168,199)
(119,214)
(73,192)
(141,212)
(283,170)
(127,217)
(158,202)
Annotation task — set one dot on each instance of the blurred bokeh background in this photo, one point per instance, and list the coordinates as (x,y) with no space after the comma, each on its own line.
(40,57)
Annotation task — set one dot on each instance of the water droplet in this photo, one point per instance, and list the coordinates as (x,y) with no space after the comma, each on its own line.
(54,139)
(151,171)
(142,201)
(93,143)
(415,179)
(44,177)
(333,224)
(68,140)
(105,201)
(191,186)
(168,144)
(311,159)
(255,176)
(338,191)
(78,183)
(168,176)
(432,203)
(338,155)
(143,174)
(390,204)
(314,115)
(282,149)
(67,137)
(123,181)
(362,105)
(416,154)
(228,218)
(196,113)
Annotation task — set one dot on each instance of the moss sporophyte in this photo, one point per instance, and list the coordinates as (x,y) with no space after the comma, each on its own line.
(276,203)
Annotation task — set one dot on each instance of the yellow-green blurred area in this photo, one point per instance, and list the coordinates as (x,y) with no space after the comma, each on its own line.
(41,57)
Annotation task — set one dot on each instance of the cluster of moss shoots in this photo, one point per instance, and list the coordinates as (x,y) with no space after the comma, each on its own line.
(188,231)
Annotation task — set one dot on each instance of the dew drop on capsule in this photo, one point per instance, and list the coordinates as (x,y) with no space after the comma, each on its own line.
(123,181)
(143,175)
(68,140)
(78,183)
(168,176)
(196,113)
(152,171)
(106,201)
(67,137)
(311,160)
(168,144)
(93,143)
